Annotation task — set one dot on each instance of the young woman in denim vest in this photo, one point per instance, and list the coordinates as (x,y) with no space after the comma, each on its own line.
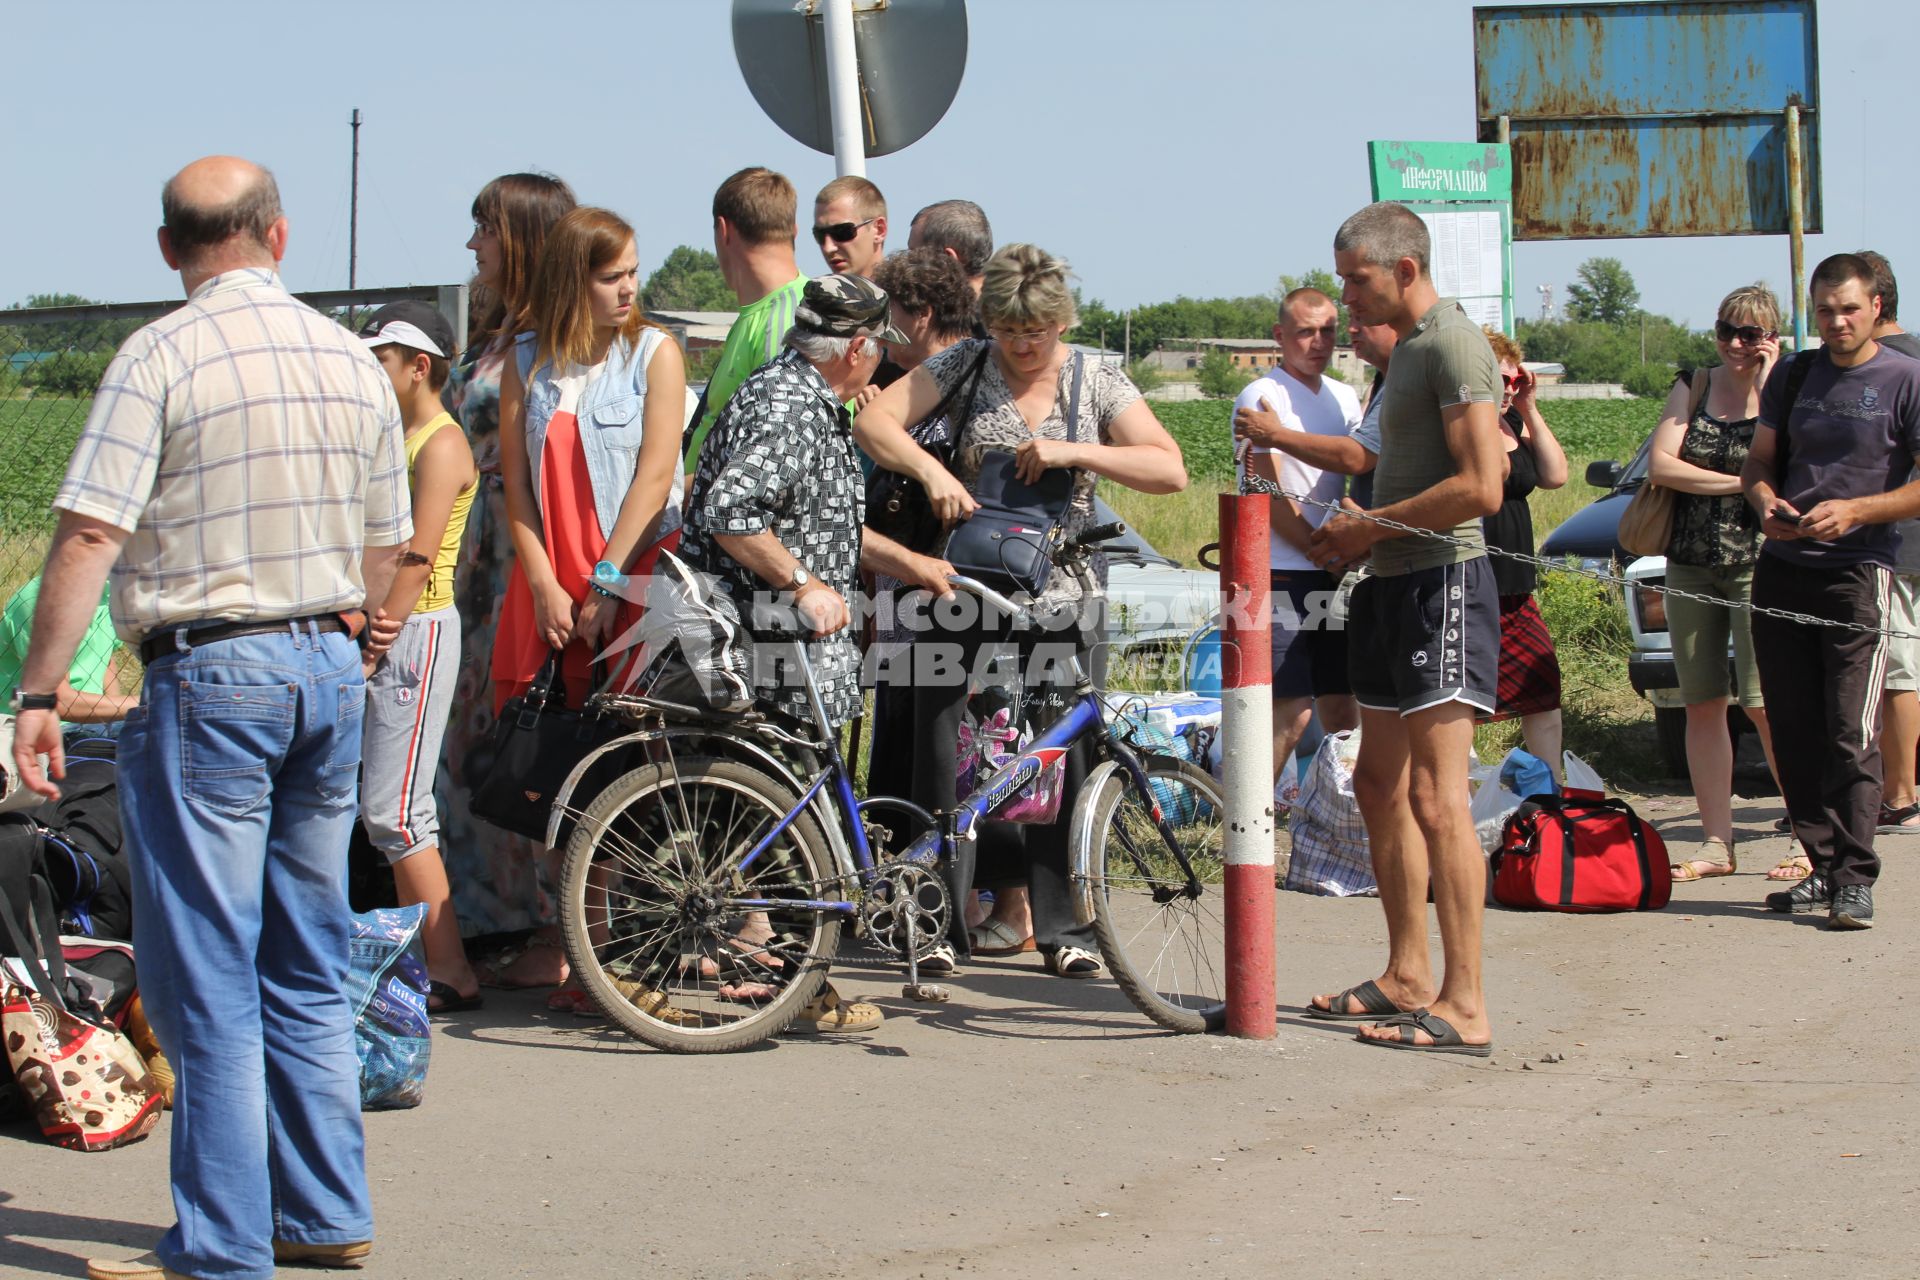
(591,409)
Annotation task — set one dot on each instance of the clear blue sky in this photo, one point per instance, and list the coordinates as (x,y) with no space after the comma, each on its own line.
(1203,147)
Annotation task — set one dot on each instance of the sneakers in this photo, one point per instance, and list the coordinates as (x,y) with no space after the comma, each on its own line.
(828,1013)
(1852,907)
(1811,894)
(1902,821)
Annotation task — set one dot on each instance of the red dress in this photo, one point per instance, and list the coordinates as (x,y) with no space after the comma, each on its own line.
(574,545)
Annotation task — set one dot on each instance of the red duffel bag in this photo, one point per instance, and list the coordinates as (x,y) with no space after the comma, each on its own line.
(1572,854)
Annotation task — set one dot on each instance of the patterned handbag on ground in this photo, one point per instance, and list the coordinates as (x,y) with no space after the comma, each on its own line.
(84,1082)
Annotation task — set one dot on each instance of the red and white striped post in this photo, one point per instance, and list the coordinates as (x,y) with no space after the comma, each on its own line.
(1246,735)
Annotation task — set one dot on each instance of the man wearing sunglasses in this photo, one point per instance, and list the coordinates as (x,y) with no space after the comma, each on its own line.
(850,225)
(1829,475)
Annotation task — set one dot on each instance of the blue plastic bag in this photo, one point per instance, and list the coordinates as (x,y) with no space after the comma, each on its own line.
(387,987)
(1526,775)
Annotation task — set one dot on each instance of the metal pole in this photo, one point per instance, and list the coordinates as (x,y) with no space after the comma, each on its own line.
(1246,739)
(1796,227)
(353,211)
(1504,131)
(843,90)
(1128,353)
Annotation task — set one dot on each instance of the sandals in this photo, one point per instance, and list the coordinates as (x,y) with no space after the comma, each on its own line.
(449,999)
(993,938)
(1444,1038)
(1715,857)
(941,961)
(1374,1005)
(828,1013)
(1072,962)
(1797,867)
(1904,820)
(494,974)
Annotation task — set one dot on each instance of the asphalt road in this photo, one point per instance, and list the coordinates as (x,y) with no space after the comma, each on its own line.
(1709,1090)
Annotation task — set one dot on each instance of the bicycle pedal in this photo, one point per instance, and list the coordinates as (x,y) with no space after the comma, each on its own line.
(926,993)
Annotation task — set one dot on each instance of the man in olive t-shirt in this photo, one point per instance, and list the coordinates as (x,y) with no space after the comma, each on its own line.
(1424,637)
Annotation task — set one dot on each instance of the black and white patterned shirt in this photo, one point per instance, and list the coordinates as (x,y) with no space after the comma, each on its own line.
(781,457)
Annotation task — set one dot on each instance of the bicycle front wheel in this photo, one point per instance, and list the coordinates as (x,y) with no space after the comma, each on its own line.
(1158,905)
(680,939)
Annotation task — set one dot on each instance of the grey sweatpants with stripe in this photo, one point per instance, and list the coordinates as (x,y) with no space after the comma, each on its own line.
(409,699)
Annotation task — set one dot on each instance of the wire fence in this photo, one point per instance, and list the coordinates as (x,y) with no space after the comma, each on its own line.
(51,361)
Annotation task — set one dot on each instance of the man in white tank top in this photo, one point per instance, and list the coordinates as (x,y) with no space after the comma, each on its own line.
(1309,641)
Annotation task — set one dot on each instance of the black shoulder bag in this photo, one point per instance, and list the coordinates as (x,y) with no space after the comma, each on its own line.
(1009,542)
(897,505)
(536,742)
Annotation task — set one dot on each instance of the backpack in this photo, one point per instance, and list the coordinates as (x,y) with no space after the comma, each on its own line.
(1579,854)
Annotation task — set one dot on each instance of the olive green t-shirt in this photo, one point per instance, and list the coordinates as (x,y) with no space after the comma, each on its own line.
(1444,362)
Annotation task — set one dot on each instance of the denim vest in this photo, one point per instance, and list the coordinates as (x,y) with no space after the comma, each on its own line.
(611,414)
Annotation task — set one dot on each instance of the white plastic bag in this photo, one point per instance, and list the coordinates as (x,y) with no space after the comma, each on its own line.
(1580,776)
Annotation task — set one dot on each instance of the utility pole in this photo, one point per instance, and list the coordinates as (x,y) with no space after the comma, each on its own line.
(353,211)
(1128,354)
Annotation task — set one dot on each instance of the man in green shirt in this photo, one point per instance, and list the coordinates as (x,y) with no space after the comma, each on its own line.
(83,696)
(754,228)
(1423,634)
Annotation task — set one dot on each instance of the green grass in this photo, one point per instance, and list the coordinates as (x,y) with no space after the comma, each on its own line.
(36,439)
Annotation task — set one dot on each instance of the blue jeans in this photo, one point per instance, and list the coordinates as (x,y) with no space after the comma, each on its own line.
(238,793)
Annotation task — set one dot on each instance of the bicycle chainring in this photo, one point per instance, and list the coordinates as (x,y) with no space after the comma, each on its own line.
(901,892)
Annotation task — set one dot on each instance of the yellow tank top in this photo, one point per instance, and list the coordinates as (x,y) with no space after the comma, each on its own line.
(438,593)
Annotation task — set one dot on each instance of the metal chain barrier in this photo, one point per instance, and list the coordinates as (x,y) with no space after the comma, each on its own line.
(1562,566)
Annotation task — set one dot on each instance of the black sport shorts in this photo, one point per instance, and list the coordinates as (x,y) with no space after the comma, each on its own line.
(1309,642)
(1417,640)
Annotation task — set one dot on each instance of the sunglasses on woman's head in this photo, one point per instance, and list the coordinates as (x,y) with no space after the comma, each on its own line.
(1751,334)
(840,231)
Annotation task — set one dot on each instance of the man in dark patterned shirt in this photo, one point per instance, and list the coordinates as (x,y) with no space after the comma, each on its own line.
(778,501)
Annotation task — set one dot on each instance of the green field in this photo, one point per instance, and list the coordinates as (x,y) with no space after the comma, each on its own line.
(36,439)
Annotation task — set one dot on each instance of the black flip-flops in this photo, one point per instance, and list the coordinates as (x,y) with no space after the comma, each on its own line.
(1374,1005)
(1445,1038)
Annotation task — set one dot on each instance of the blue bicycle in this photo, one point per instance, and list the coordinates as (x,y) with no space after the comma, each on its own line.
(706,888)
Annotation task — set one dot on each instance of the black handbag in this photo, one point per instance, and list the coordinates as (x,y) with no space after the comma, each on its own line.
(537,741)
(1009,542)
(897,505)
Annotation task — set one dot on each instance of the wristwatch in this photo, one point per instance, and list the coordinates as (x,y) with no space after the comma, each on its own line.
(799,579)
(34,701)
(606,576)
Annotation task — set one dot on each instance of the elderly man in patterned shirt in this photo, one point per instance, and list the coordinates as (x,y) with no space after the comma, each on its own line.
(778,502)
(243,475)
(777,505)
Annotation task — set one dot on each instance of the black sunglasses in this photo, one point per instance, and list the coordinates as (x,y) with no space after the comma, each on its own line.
(840,231)
(1751,334)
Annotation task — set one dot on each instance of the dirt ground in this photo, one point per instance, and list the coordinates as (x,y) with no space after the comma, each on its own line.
(1708,1090)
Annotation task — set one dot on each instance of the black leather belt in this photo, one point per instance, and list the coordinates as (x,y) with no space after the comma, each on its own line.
(161,643)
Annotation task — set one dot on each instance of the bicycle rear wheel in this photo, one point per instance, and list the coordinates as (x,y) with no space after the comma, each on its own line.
(1158,908)
(655,906)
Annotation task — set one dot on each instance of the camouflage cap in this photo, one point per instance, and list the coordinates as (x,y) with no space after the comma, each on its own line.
(846,306)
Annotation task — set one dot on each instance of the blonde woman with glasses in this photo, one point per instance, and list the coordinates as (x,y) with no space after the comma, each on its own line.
(1713,548)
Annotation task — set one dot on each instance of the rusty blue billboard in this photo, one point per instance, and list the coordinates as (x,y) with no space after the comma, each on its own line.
(1651,119)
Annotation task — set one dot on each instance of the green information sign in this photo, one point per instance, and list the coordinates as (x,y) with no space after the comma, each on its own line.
(1463,191)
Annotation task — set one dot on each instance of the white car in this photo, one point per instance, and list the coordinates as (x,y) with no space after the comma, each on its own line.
(1152,600)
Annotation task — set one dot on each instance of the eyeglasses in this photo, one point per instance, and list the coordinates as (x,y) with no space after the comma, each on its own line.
(1022,337)
(1513,381)
(1751,334)
(841,232)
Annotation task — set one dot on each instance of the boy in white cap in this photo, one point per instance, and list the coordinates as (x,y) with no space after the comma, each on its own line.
(413,657)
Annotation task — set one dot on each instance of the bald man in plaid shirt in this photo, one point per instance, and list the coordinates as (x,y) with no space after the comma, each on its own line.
(242,473)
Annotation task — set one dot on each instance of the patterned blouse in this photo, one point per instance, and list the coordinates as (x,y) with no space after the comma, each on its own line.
(1714,530)
(996,423)
(781,456)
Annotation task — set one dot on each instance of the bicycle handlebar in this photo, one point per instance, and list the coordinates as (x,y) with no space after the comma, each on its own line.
(960,582)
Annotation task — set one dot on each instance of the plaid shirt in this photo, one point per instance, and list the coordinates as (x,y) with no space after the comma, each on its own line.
(252,448)
(781,457)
